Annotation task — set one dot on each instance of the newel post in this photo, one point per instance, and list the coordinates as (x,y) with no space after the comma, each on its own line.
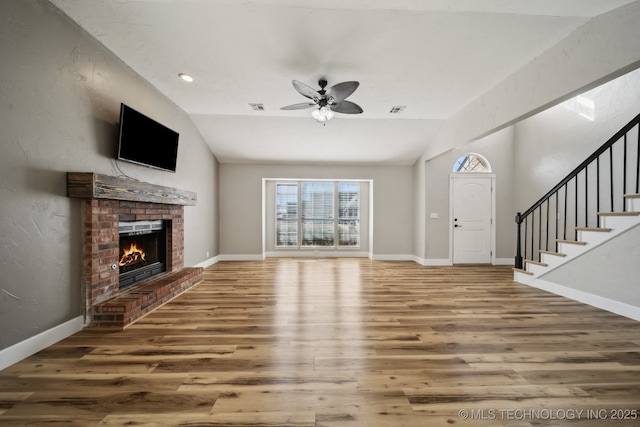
(518,260)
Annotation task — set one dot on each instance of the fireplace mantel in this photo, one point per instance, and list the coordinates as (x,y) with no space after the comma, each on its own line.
(107,201)
(90,185)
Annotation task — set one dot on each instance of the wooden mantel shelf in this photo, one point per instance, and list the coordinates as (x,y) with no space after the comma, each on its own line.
(89,185)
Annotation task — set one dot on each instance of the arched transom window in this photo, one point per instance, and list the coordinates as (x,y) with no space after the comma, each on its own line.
(471,162)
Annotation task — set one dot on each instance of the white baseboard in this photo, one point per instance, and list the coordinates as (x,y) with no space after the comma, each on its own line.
(32,345)
(393,257)
(447,262)
(613,306)
(320,254)
(208,262)
(240,257)
(337,254)
(434,262)
(314,254)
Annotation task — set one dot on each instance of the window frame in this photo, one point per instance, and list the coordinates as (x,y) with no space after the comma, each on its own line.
(459,165)
(335,216)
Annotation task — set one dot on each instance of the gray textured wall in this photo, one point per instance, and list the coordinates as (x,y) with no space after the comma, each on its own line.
(241,203)
(59,109)
(498,150)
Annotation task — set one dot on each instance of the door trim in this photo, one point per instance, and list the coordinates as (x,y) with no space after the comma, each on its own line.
(492,177)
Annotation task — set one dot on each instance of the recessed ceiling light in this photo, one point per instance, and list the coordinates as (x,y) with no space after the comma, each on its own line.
(186,77)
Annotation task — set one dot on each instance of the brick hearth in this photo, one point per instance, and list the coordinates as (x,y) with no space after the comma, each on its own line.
(142,298)
(105,304)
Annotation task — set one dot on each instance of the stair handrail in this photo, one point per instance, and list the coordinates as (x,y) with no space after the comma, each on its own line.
(520,217)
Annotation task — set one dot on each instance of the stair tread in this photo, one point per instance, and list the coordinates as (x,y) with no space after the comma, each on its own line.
(553,253)
(531,261)
(604,230)
(618,213)
(632,196)
(519,270)
(571,242)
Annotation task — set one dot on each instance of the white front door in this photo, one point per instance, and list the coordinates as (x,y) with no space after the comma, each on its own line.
(471,221)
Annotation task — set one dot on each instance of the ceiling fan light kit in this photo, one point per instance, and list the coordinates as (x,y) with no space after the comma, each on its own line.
(323,114)
(327,102)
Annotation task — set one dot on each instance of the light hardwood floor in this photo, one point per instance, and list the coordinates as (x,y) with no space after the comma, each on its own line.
(341,343)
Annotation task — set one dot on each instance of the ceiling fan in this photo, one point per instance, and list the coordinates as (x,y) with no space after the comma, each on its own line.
(328,102)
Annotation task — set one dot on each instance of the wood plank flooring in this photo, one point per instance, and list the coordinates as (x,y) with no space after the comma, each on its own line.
(341,343)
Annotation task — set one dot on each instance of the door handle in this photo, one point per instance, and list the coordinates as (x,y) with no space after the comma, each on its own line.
(456,225)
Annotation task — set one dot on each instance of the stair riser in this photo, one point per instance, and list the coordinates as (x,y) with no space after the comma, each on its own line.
(536,269)
(633,205)
(571,250)
(552,260)
(523,278)
(618,223)
(593,237)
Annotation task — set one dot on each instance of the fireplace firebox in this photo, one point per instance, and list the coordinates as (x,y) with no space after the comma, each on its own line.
(143,251)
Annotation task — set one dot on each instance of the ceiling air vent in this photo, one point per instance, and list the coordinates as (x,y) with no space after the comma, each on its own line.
(257,107)
(397,110)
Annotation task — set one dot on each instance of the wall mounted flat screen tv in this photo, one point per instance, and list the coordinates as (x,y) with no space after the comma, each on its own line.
(145,141)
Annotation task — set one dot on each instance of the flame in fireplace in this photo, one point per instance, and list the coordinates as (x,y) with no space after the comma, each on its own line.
(131,256)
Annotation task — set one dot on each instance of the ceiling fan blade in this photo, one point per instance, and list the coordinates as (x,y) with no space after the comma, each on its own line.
(300,106)
(347,107)
(341,91)
(306,90)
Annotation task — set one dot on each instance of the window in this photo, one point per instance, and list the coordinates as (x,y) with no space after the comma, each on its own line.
(327,209)
(349,214)
(317,213)
(472,163)
(287,215)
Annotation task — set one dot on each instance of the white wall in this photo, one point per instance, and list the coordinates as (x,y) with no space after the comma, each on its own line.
(610,270)
(552,143)
(241,205)
(60,100)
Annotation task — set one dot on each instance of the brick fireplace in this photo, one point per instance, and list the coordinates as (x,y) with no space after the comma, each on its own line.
(107,202)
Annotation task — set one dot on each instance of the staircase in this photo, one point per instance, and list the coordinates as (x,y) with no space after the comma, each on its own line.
(611,224)
(597,201)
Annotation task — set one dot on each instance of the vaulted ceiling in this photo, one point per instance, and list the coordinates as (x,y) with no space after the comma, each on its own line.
(431,56)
